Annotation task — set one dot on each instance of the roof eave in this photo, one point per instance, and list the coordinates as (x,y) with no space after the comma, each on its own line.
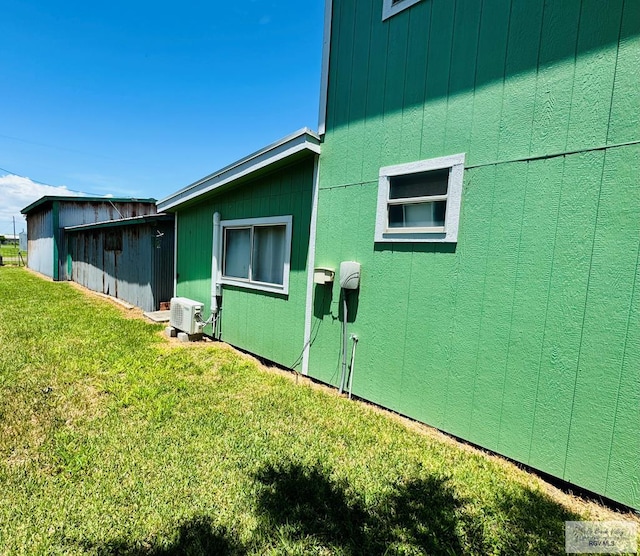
(131,221)
(81,199)
(302,140)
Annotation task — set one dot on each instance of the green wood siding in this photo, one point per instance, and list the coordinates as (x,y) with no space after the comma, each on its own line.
(269,325)
(525,336)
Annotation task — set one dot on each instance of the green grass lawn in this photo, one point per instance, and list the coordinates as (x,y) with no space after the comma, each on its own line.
(8,250)
(115,441)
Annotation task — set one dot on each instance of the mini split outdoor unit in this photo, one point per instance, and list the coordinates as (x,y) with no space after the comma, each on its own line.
(186,315)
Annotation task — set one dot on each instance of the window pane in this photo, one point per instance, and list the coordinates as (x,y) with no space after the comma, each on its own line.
(268,254)
(419,215)
(237,252)
(434,182)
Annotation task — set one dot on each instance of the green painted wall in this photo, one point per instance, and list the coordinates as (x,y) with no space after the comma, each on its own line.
(267,324)
(525,336)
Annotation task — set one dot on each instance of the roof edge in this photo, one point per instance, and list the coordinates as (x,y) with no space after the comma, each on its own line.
(83,199)
(132,220)
(301,140)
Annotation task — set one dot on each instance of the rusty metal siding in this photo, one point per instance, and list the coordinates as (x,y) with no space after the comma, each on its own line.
(48,241)
(74,213)
(125,262)
(40,242)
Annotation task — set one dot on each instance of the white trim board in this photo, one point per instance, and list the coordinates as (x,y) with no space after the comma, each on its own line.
(454,198)
(285,220)
(324,80)
(311,261)
(302,140)
(389,8)
(175,256)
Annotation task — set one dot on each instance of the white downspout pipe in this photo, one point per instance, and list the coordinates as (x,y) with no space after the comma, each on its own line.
(311,261)
(215,269)
(175,255)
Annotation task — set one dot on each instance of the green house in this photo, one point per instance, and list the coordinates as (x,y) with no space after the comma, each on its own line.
(480,160)
(258,256)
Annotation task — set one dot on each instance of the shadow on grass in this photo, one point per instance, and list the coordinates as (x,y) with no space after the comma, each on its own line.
(304,509)
(309,511)
(533,522)
(198,536)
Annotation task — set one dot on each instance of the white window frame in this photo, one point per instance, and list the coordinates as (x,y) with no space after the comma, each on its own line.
(448,234)
(389,9)
(248,283)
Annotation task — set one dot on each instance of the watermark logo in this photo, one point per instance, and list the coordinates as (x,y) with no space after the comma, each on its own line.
(601,537)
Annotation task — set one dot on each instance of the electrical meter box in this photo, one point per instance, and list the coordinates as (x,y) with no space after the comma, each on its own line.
(349,275)
(323,275)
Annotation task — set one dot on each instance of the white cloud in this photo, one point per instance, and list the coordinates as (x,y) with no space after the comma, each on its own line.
(16,193)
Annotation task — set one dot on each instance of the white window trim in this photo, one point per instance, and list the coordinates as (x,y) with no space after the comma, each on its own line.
(449,234)
(250,284)
(389,9)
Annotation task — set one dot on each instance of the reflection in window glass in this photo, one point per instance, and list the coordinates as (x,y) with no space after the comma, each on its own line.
(237,252)
(422,184)
(268,254)
(418,215)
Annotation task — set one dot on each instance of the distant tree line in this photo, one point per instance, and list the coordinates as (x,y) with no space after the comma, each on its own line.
(4,240)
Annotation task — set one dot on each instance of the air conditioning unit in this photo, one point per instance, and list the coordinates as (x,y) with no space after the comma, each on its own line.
(186,315)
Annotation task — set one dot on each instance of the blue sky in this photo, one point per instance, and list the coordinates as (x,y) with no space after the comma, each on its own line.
(141,98)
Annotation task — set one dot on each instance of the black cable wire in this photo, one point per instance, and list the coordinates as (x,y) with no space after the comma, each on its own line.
(312,336)
(10,173)
(57,147)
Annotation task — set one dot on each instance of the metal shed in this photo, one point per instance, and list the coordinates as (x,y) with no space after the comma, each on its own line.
(131,258)
(48,216)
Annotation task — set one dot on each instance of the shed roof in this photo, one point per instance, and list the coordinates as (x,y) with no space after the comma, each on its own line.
(132,221)
(282,151)
(49,199)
